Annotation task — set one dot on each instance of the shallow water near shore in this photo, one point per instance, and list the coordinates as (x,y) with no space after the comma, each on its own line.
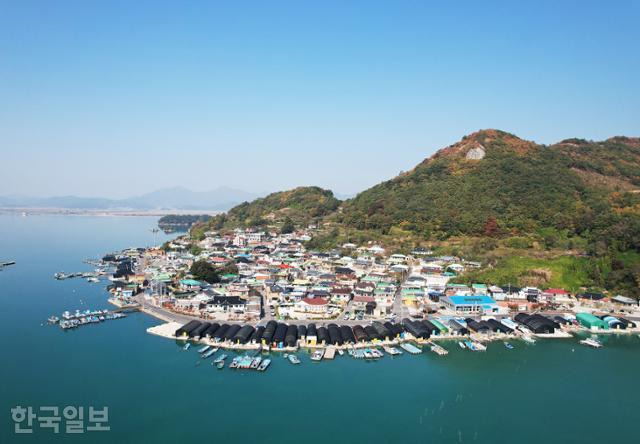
(556,391)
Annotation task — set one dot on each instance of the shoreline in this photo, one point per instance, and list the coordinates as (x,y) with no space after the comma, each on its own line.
(49,211)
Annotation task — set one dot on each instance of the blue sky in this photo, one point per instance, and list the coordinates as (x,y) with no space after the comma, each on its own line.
(119,98)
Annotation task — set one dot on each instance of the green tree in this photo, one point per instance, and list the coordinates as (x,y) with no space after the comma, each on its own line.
(288,226)
(202,270)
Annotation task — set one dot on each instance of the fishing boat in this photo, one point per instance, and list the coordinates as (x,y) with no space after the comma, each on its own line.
(234,362)
(204,349)
(391,350)
(508,346)
(264,365)
(209,353)
(439,350)
(461,344)
(591,342)
(187,346)
(294,359)
(255,363)
(220,359)
(317,354)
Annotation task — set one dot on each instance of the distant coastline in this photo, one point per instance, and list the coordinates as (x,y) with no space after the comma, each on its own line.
(28,211)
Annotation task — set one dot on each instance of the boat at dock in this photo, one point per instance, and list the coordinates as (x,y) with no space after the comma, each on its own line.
(591,342)
(220,359)
(391,350)
(470,345)
(53,320)
(187,346)
(294,359)
(255,363)
(508,346)
(461,344)
(210,353)
(475,346)
(204,349)
(439,350)
(375,353)
(410,348)
(264,365)
(317,354)
(220,365)
(341,352)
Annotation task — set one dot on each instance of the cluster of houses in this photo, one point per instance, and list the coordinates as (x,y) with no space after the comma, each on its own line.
(270,275)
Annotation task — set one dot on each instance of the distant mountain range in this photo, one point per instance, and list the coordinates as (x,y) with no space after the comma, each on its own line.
(176,198)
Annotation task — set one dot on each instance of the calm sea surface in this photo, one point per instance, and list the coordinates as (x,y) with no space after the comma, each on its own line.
(553,392)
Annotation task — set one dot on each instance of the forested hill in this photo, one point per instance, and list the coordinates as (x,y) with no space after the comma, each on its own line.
(493,183)
(299,206)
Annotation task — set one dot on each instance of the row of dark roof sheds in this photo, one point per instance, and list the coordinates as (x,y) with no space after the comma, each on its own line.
(279,334)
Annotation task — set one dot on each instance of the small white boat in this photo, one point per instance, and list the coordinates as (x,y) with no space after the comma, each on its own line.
(186,346)
(317,354)
(461,344)
(341,352)
(591,342)
(294,359)
(392,350)
(204,349)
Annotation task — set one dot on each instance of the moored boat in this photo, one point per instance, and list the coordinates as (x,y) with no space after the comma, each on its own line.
(187,346)
(209,353)
(294,359)
(508,346)
(591,342)
(220,359)
(317,354)
(255,363)
(391,350)
(264,365)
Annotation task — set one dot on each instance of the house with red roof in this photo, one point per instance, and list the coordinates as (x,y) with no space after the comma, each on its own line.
(315,306)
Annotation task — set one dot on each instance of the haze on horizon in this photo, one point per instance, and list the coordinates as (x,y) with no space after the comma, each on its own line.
(118,99)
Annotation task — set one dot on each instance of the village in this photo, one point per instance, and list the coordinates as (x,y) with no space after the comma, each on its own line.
(269,276)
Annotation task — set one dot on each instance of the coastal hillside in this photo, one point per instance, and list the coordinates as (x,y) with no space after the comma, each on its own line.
(301,205)
(566,214)
(492,182)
